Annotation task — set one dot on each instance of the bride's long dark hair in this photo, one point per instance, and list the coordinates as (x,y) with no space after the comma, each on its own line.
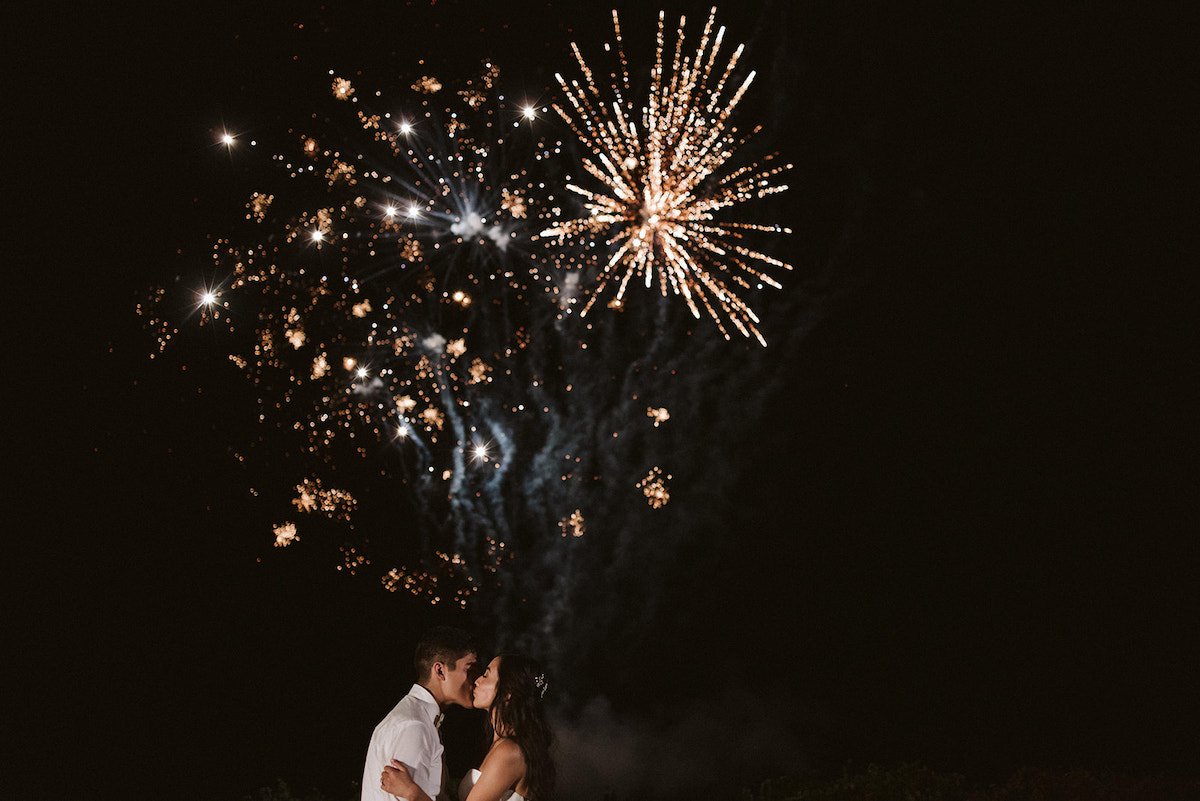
(519,714)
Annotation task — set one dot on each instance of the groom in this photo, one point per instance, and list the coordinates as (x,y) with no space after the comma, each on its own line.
(446,661)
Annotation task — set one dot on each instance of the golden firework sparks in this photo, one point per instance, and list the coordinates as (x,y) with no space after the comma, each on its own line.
(573,524)
(285,535)
(352,560)
(432,587)
(333,503)
(664,173)
(427,85)
(353,289)
(654,487)
(342,89)
(433,418)
(258,206)
(514,203)
(479,371)
(320,367)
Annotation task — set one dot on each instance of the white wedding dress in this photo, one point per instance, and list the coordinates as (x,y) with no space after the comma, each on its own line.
(468,781)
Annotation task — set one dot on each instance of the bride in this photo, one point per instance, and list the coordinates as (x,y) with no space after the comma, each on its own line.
(518,765)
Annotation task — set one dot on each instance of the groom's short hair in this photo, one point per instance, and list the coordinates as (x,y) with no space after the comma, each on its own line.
(443,644)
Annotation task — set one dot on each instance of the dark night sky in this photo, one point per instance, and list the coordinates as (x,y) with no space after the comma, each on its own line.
(963,530)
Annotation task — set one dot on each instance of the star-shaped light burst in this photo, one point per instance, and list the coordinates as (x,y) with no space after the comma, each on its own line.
(664,174)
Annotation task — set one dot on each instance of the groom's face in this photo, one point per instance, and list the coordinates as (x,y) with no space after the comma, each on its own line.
(460,681)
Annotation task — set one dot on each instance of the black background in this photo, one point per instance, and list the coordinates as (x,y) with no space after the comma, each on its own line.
(972,541)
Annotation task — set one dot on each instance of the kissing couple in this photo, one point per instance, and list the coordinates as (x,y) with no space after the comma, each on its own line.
(405,757)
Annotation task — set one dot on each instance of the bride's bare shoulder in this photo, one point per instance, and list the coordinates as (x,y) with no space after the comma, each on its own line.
(504,752)
(503,769)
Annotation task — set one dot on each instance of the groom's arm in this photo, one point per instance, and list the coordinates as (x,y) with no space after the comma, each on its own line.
(412,747)
(399,784)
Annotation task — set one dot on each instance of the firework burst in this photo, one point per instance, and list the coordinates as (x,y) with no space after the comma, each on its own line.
(664,174)
(426,396)
(383,299)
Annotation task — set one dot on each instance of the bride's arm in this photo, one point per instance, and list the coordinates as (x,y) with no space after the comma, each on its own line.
(397,781)
(502,768)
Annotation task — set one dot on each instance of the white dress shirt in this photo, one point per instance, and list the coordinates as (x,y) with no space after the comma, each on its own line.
(408,734)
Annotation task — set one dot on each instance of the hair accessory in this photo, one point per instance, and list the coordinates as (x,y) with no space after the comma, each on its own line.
(540,682)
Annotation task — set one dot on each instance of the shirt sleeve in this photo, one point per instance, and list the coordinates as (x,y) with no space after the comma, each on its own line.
(417,749)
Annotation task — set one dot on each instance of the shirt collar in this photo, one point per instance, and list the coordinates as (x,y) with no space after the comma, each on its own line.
(427,701)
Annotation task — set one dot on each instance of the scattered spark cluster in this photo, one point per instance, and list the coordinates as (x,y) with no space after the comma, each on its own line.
(333,503)
(664,173)
(654,487)
(285,535)
(430,585)
(573,524)
(401,299)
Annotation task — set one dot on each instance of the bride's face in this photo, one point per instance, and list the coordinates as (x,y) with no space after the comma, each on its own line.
(485,685)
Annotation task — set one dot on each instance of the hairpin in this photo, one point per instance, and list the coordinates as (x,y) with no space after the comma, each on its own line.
(540,682)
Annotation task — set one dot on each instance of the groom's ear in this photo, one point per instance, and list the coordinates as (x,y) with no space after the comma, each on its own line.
(439,670)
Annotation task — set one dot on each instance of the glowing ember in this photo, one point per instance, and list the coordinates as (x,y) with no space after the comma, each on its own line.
(342,89)
(660,415)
